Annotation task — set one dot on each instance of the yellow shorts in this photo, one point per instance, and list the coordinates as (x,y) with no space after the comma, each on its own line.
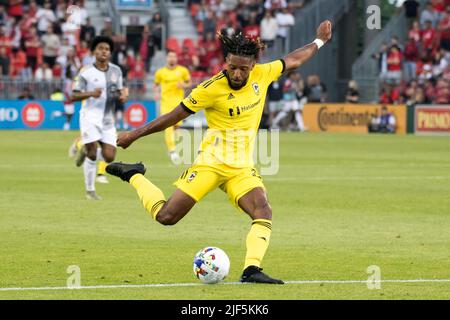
(199,180)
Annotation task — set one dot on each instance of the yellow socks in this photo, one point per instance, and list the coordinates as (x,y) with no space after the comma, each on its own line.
(101,167)
(257,242)
(151,196)
(169,136)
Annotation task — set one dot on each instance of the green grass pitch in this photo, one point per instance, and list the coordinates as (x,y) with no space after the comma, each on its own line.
(341,203)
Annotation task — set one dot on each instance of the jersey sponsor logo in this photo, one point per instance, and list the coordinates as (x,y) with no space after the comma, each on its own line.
(33,114)
(136,115)
(255,88)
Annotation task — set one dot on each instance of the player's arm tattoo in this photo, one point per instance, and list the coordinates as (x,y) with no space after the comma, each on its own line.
(161,123)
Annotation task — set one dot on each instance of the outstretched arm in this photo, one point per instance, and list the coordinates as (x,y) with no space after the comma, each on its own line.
(161,123)
(298,57)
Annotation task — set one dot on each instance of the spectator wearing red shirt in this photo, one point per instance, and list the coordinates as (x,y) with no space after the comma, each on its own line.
(15,8)
(415,32)
(18,62)
(137,69)
(411,55)
(444,30)
(429,38)
(394,64)
(32,45)
(253,29)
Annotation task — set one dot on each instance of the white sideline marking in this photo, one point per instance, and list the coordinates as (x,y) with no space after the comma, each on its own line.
(165,285)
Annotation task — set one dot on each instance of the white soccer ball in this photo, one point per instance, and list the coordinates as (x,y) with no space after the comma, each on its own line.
(211,265)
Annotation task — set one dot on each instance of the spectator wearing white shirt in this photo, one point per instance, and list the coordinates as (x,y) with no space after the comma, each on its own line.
(285,21)
(51,45)
(43,72)
(45,17)
(269,29)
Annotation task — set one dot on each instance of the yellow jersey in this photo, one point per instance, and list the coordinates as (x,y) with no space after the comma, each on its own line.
(233,116)
(171,94)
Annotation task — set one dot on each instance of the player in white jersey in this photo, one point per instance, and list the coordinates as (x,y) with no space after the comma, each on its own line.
(98,86)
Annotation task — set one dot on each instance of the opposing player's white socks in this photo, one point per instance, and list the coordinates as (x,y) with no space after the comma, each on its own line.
(299,119)
(90,171)
(278,118)
(100,155)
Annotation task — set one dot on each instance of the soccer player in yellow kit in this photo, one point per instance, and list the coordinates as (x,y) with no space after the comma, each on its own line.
(233,102)
(173,80)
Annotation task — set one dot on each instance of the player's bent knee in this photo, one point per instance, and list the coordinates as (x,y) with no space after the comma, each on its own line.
(108,158)
(263,212)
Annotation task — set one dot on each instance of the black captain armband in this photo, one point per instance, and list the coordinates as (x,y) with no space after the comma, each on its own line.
(284,65)
(186,108)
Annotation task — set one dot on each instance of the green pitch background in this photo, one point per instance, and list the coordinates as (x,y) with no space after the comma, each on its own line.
(341,203)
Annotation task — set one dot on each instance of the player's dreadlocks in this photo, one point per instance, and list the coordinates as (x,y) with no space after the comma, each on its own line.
(241,45)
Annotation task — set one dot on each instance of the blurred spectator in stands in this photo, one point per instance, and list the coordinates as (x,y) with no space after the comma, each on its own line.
(51,44)
(69,61)
(427,71)
(269,29)
(18,62)
(385,123)
(32,45)
(315,90)
(285,21)
(429,14)
(83,51)
(137,68)
(410,63)
(198,72)
(218,7)
(33,9)
(147,47)
(444,30)
(429,39)
(394,66)
(16,33)
(243,15)
(390,95)
(185,57)
(43,72)
(209,24)
(439,7)
(26,94)
(3,15)
(57,71)
(410,93)
(411,10)
(352,95)
(442,92)
(119,57)
(69,32)
(157,29)
(395,42)
(15,8)
(5,40)
(107,29)
(4,63)
(275,4)
(275,97)
(27,22)
(87,32)
(81,12)
(61,9)
(440,63)
(45,17)
(65,47)
(209,51)
(415,33)
(252,30)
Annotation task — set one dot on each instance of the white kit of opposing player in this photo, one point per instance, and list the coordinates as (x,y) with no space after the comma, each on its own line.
(97,114)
